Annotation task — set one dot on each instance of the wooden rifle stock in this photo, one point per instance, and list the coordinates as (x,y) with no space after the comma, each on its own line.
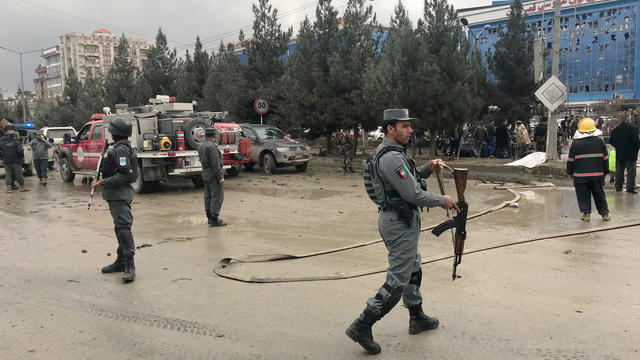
(460,178)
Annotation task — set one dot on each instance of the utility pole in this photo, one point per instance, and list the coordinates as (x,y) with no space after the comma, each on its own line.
(24,105)
(552,125)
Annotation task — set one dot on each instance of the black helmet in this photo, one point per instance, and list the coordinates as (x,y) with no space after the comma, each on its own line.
(120,127)
(210,132)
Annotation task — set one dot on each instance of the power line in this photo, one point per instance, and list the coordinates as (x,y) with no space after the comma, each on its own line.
(286,13)
(94,22)
(247,27)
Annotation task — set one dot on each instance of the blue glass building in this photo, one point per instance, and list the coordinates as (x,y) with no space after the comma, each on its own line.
(598,42)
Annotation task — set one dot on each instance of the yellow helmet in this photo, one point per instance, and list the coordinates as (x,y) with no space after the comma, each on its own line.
(587,125)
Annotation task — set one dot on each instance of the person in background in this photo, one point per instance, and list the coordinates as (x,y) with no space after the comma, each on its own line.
(40,147)
(587,164)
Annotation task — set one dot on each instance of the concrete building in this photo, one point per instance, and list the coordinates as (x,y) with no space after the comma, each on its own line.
(598,43)
(53,74)
(93,52)
(40,82)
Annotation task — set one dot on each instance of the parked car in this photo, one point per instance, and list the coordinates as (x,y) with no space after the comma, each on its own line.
(271,148)
(376,135)
(58,133)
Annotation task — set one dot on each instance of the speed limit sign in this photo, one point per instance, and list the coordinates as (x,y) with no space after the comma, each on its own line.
(261,106)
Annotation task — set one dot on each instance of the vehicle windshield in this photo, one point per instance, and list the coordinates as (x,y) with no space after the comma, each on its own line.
(269,133)
(59,133)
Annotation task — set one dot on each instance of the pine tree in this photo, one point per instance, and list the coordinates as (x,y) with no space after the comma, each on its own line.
(298,84)
(92,97)
(512,67)
(72,88)
(326,32)
(226,85)
(358,48)
(119,81)
(201,66)
(390,78)
(266,66)
(159,69)
(446,80)
(268,44)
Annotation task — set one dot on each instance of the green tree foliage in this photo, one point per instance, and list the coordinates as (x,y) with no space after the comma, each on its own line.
(192,74)
(158,69)
(446,78)
(266,67)
(119,81)
(72,88)
(390,78)
(226,85)
(512,66)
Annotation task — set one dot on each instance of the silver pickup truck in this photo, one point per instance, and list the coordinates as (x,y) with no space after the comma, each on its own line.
(271,148)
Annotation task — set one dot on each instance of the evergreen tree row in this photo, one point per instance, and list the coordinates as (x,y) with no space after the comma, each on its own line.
(341,75)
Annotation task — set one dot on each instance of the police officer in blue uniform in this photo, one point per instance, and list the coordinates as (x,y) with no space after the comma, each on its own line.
(399,225)
(120,169)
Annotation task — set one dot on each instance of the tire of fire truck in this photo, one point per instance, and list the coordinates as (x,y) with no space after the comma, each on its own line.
(233,171)
(140,186)
(301,167)
(66,172)
(194,132)
(197,181)
(269,164)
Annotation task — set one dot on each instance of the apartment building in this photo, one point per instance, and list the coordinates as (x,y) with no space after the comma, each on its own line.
(86,53)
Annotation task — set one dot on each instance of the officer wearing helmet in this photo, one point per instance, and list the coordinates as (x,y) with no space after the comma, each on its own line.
(213,177)
(587,164)
(120,169)
(399,225)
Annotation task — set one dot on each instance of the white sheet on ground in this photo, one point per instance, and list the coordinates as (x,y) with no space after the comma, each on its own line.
(530,161)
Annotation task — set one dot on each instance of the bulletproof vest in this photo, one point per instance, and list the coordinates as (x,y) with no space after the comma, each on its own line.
(373,183)
(110,168)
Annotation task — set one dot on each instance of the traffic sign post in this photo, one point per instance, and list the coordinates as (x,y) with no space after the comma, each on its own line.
(261,106)
(552,94)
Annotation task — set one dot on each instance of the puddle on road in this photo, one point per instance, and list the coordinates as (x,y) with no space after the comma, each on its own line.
(308,194)
(176,239)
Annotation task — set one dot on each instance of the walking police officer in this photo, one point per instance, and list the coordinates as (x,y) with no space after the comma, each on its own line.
(120,169)
(399,225)
(213,177)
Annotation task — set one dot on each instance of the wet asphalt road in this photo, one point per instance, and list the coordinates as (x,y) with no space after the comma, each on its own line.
(575,297)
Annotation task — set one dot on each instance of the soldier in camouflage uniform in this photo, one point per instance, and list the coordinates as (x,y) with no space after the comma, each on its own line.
(346,146)
(399,225)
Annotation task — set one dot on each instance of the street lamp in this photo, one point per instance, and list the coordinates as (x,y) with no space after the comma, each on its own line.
(24,106)
(465,22)
(474,52)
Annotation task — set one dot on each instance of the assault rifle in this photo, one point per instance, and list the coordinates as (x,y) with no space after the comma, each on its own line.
(459,221)
(105,146)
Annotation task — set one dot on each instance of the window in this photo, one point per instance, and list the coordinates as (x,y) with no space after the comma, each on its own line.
(83,135)
(269,133)
(250,134)
(97,132)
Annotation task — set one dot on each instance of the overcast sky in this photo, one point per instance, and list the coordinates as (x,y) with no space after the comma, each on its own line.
(27,25)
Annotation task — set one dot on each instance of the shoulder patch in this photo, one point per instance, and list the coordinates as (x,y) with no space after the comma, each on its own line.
(402,172)
(123,160)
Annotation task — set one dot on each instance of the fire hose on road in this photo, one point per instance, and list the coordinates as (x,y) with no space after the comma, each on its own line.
(223,267)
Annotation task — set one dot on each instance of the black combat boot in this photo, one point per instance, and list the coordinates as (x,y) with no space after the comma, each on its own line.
(360,332)
(419,322)
(117,266)
(129,269)
(210,221)
(217,222)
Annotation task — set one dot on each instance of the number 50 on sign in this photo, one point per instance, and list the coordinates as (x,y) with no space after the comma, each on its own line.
(261,106)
